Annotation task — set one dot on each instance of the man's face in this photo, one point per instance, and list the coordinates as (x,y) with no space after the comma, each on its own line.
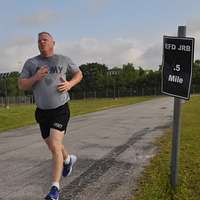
(45,44)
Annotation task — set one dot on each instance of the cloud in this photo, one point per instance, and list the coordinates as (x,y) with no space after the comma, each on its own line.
(14,53)
(39,18)
(96,6)
(115,52)
(193,30)
(112,53)
(152,57)
(193,26)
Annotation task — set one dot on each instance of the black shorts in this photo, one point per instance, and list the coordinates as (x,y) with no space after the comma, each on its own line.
(53,118)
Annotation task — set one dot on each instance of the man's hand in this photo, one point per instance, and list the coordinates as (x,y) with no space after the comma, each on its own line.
(67,85)
(27,83)
(64,86)
(41,73)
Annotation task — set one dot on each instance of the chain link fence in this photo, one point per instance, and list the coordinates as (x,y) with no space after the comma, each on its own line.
(104,93)
(6,101)
(115,93)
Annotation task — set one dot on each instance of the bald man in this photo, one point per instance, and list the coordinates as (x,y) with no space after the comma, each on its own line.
(45,75)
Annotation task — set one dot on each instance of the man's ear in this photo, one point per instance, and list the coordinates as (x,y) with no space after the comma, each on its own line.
(54,43)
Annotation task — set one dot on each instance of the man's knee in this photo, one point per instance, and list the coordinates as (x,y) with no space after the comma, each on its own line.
(55,147)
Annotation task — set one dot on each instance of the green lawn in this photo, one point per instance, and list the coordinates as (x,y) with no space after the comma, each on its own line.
(22,115)
(154,185)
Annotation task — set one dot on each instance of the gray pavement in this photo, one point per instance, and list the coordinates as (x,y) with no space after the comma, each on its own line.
(113,147)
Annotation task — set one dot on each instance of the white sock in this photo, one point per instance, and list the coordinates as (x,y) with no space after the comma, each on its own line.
(67,160)
(56,184)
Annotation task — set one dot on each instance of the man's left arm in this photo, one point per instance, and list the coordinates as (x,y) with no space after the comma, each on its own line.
(67,85)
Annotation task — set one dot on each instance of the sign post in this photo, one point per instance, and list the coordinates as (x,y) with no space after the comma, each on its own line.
(178,53)
(177,66)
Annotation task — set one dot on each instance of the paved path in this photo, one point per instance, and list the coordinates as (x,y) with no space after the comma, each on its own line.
(112,146)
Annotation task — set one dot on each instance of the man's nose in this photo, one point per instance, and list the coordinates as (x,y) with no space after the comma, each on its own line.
(42,41)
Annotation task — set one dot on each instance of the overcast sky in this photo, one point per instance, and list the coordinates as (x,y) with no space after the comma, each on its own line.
(113,32)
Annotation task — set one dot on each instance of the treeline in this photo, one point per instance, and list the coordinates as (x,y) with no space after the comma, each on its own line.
(109,82)
(99,79)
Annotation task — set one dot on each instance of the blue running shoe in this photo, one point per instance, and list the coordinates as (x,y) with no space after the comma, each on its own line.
(67,168)
(53,194)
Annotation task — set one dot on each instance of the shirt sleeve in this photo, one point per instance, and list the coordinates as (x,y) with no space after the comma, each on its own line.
(72,68)
(26,70)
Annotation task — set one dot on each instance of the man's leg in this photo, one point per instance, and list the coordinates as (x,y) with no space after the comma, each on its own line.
(64,152)
(54,142)
(62,162)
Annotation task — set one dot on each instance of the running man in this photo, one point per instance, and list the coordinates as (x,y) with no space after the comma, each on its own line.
(45,75)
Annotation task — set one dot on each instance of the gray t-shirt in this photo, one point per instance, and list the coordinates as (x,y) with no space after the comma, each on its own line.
(45,91)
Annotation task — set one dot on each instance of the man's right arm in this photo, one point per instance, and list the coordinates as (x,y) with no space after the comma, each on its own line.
(27,83)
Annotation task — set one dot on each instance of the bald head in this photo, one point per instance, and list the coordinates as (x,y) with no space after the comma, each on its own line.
(46,44)
(41,33)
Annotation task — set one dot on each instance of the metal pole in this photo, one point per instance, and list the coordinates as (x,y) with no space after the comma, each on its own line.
(176,129)
(114,88)
(6,94)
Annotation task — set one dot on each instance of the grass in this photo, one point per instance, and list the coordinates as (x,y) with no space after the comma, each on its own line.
(22,115)
(155,184)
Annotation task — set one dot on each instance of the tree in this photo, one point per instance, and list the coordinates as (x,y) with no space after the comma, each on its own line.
(94,76)
(196,73)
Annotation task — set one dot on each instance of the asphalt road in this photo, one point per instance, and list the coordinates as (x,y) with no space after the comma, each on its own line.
(113,147)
